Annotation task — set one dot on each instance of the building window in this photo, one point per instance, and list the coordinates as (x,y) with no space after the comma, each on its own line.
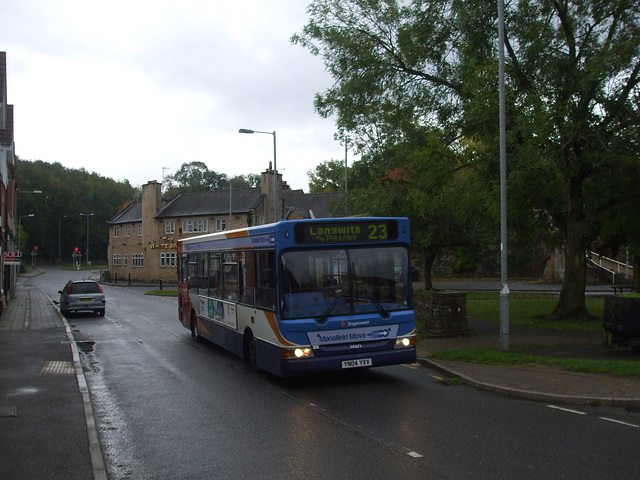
(140,230)
(127,230)
(191,226)
(117,259)
(126,260)
(116,232)
(170,227)
(168,259)
(221,224)
(137,260)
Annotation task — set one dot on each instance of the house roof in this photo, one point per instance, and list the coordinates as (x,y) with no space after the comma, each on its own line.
(211,203)
(242,201)
(310,205)
(131,213)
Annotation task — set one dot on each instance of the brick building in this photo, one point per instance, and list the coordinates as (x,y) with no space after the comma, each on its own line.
(8,190)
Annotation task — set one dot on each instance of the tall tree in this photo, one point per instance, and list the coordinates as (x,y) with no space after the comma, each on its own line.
(193,177)
(573,70)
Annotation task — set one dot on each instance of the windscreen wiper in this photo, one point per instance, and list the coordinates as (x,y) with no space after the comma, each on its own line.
(327,312)
(363,290)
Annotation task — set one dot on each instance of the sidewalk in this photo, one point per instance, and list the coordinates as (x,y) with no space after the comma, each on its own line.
(537,382)
(46,418)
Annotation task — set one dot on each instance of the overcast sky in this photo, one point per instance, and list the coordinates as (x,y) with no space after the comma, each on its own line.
(133,89)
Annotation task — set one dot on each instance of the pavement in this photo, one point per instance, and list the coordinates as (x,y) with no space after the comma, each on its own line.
(46,417)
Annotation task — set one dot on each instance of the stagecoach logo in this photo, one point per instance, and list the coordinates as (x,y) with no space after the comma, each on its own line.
(353,335)
(355,324)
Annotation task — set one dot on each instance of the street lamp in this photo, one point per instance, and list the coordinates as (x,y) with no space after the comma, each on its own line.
(87,215)
(59,218)
(275,170)
(20,226)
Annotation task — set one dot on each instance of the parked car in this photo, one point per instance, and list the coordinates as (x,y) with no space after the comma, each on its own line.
(80,295)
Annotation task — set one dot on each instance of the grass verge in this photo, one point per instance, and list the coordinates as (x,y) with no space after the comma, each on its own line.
(533,309)
(626,368)
(163,293)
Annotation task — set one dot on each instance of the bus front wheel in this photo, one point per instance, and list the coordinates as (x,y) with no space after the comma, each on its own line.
(251,352)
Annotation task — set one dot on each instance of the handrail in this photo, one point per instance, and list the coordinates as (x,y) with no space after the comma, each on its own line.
(611,260)
(618,263)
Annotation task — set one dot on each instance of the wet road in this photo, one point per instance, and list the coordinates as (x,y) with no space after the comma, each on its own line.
(168,407)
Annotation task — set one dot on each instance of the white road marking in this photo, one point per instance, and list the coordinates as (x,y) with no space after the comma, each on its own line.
(632,425)
(577,412)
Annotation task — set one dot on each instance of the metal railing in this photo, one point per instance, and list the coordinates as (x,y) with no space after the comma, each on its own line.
(614,267)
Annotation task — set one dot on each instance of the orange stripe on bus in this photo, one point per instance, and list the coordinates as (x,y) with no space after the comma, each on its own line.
(238,234)
(271,318)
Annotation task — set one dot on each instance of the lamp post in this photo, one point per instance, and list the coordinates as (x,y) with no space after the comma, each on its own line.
(87,215)
(59,218)
(275,170)
(230,193)
(20,226)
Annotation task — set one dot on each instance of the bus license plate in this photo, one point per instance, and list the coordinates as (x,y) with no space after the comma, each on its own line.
(360,362)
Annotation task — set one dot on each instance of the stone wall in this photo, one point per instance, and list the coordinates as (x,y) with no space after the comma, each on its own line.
(442,314)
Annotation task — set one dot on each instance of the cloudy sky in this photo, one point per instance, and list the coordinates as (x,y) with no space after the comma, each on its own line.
(133,89)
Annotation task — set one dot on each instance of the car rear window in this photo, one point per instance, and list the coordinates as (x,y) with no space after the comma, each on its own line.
(85,287)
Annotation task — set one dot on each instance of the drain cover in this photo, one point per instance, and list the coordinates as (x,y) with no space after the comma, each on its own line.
(58,368)
(8,412)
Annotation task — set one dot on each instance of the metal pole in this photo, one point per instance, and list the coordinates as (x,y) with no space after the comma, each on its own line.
(275,169)
(275,180)
(345,176)
(504,293)
(87,215)
(230,192)
(87,240)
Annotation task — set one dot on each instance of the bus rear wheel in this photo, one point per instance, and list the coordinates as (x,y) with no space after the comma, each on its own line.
(194,327)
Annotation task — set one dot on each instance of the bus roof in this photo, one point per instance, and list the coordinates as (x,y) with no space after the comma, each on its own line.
(262,236)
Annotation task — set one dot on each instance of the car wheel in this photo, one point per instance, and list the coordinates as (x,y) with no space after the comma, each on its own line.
(101,312)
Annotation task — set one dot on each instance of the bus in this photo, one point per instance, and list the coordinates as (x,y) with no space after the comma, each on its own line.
(302,296)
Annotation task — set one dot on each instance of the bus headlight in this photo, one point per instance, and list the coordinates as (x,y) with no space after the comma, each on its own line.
(301,352)
(403,342)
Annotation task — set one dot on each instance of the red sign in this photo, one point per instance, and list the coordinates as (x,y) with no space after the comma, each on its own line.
(12,258)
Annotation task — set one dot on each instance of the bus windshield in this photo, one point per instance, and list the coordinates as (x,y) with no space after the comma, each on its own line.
(320,283)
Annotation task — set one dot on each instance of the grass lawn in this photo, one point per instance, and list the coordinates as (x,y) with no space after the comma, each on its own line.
(533,309)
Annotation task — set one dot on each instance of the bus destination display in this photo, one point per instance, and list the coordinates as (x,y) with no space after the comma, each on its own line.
(318,233)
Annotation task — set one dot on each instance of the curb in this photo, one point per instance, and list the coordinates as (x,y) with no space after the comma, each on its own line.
(95,450)
(528,394)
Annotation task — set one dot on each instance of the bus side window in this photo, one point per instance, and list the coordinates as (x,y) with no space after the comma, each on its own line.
(214,274)
(247,277)
(266,279)
(203,274)
(192,279)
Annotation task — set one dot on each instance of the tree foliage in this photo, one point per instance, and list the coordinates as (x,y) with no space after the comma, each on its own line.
(194,177)
(66,193)
(572,93)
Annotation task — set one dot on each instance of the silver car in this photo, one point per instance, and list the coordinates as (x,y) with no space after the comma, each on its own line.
(80,295)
